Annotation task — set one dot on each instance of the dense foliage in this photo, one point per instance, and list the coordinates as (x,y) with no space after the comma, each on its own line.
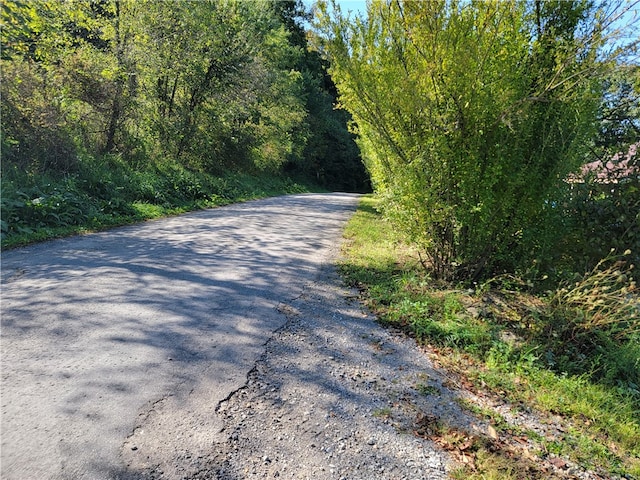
(471,116)
(201,88)
(602,204)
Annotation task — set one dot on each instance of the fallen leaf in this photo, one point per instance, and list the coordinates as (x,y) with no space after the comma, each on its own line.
(558,462)
(468,443)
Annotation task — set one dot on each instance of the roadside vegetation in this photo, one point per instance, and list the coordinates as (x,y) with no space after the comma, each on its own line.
(569,355)
(502,143)
(115,111)
(107,193)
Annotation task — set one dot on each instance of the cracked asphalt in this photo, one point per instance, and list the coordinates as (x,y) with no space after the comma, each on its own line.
(129,340)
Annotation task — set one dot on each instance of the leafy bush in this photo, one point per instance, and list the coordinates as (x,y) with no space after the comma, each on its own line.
(106,191)
(41,206)
(469,115)
(35,136)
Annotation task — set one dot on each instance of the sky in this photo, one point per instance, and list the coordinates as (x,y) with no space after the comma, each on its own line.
(357,6)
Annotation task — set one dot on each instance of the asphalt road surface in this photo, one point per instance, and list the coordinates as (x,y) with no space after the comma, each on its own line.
(140,332)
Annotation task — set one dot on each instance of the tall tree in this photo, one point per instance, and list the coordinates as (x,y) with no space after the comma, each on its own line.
(330,154)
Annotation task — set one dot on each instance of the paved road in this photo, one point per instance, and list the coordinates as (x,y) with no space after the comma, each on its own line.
(119,343)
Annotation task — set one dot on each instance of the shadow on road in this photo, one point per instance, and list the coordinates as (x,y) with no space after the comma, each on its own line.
(104,333)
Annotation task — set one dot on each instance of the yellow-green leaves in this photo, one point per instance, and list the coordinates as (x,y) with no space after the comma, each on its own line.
(467,125)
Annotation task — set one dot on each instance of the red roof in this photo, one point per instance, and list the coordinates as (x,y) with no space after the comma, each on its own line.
(618,167)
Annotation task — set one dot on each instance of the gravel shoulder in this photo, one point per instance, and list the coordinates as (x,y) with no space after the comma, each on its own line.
(334,396)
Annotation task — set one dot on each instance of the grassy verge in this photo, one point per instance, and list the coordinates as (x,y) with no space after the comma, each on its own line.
(500,343)
(107,193)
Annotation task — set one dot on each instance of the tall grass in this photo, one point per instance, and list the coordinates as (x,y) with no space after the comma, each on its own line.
(592,326)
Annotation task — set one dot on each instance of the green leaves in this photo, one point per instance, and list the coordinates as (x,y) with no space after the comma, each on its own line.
(470,114)
(206,86)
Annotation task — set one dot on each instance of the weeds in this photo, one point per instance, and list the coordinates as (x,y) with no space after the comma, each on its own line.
(383,413)
(593,325)
(603,300)
(106,192)
(572,355)
(425,389)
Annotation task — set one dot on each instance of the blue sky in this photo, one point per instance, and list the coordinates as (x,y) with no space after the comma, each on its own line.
(357,6)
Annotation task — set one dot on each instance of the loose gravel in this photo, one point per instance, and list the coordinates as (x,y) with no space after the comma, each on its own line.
(334,396)
(337,396)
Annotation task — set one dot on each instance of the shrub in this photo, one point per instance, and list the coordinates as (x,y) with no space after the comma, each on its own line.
(40,206)
(469,116)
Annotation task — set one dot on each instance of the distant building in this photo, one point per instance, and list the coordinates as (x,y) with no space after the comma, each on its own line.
(620,167)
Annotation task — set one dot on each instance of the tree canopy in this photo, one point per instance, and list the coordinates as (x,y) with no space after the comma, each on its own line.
(211,85)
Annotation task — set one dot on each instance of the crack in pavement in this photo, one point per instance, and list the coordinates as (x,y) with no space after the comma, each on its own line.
(311,406)
(289,312)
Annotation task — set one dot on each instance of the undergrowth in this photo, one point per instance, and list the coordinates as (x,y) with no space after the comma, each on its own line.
(107,192)
(573,353)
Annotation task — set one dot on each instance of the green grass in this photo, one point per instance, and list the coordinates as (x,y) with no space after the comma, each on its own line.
(107,192)
(600,414)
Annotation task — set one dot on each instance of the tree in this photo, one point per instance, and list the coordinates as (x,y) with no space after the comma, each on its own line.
(470,115)
(74,58)
(211,85)
(330,155)
(602,202)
